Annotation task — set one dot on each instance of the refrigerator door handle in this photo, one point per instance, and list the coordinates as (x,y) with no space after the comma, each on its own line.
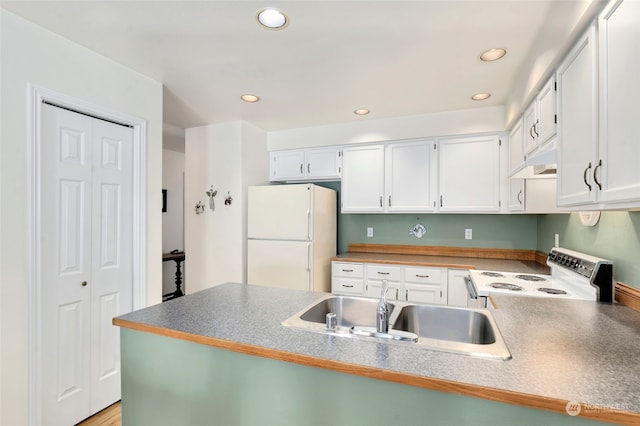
(309,267)
(309,226)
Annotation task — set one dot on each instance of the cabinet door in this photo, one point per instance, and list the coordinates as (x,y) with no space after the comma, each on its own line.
(420,293)
(363,179)
(530,121)
(516,145)
(516,195)
(373,289)
(323,163)
(577,127)
(619,174)
(409,177)
(457,294)
(469,170)
(545,128)
(287,165)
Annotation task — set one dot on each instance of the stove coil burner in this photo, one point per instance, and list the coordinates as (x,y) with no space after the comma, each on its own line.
(551,290)
(530,278)
(492,274)
(506,286)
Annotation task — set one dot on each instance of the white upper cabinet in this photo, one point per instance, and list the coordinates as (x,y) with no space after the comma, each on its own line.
(578,124)
(516,157)
(616,173)
(410,177)
(469,174)
(363,179)
(599,145)
(540,118)
(392,178)
(305,165)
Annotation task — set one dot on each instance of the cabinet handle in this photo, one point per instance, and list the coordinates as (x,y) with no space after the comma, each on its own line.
(381,201)
(406,294)
(584,176)
(441,201)
(83,283)
(389,200)
(535,128)
(347,270)
(422,276)
(397,293)
(308,167)
(347,285)
(531,132)
(595,177)
(519,194)
(383,273)
(301,170)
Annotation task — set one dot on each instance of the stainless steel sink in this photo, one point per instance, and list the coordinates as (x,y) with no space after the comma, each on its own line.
(453,329)
(436,327)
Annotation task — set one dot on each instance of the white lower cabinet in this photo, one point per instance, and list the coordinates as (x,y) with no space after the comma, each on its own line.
(347,278)
(406,283)
(425,285)
(458,295)
(375,275)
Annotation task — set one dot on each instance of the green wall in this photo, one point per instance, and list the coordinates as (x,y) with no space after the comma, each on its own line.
(615,237)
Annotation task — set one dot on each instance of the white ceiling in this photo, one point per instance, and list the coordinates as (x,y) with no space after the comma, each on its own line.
(396,58)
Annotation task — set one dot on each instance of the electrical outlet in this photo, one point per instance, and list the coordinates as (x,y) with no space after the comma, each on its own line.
(369,232)
(468,234)
(557,240)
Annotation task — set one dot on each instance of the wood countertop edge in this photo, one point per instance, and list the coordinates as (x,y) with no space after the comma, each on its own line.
(509,397)
(406,263)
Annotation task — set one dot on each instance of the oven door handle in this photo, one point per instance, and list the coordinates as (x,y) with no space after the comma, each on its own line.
(473,293)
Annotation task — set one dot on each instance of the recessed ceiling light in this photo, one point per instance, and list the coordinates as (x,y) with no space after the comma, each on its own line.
(250,98)
(361,111)
(481,96)
(272,19)
(493,54)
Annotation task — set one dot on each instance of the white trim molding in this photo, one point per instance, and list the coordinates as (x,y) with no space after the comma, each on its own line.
(36,96)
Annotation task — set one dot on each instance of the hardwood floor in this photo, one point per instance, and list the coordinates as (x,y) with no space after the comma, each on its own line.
(110,416)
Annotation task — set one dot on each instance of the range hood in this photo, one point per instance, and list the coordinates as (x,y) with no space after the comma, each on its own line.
(541,165)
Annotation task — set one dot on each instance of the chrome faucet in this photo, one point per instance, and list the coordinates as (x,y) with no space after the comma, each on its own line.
(382,323)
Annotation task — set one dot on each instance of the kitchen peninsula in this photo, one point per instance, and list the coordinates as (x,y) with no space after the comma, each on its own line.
(220,356)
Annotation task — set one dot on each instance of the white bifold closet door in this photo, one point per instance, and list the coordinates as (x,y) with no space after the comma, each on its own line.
(86,273)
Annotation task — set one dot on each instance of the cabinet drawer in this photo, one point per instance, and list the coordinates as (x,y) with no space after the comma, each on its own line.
(347,269)
(424,275)
(383,272)
(345,285)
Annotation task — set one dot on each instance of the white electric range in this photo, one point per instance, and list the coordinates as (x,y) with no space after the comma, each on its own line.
(574,275)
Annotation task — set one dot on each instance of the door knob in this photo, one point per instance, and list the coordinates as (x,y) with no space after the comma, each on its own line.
(83,283)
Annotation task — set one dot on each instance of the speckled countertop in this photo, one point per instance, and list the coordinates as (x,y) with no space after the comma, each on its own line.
(457,262)
(562,349)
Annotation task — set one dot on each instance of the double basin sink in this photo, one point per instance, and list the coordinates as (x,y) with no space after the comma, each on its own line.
(442,328)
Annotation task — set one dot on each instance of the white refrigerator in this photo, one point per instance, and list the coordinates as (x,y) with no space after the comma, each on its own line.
(292,237)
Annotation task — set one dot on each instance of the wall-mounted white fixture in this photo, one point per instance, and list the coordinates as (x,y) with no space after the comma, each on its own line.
(199,207)
(228,199)
(418,230)
(211,193)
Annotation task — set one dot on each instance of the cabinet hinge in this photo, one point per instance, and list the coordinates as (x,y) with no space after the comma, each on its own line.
(339,169)
(434,146)
(339,153)
(499,142)
(499,203)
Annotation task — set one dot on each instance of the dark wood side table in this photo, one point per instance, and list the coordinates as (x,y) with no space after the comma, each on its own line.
(178,258)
